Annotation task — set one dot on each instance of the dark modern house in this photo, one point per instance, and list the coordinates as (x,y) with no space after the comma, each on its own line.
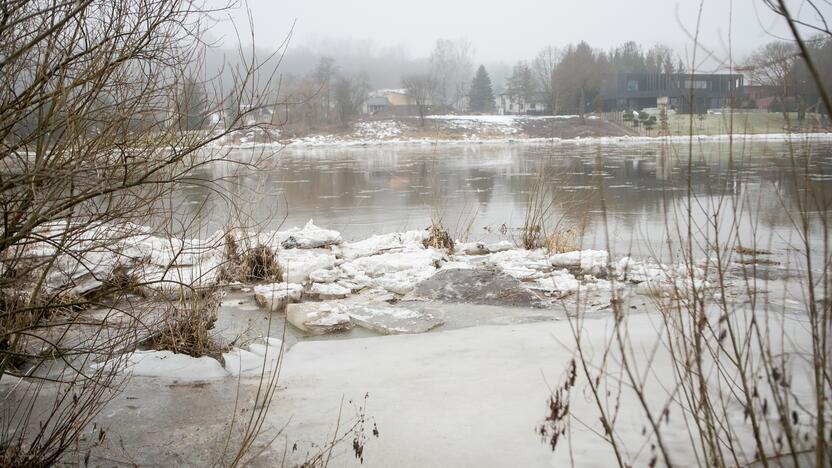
(646,90)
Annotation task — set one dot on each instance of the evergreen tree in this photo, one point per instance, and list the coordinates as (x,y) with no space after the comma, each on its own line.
(481,96)
(521,82)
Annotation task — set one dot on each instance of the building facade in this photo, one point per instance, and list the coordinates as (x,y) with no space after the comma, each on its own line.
(390,103)
(682,92)
(514,104)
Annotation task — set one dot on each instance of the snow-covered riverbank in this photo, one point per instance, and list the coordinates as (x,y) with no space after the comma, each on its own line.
(487,129)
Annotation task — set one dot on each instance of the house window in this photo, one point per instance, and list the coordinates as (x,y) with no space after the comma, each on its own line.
(696,84)
(632,85)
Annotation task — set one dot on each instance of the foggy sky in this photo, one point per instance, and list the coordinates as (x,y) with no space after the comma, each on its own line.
(508,30)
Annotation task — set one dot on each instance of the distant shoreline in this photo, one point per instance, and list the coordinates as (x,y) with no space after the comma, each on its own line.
(602,140)
(454,130)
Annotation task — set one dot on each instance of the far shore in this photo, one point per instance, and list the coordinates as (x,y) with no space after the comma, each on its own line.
(534,130)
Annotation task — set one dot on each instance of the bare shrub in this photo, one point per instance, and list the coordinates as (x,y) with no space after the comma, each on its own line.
(102,119)
(254,264)
(186,327)
(438,237)
(562,241)
(260,264)
(555,424)
(538,206)
(355,432)
(737,373)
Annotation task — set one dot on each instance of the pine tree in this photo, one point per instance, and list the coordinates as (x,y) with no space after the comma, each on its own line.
(481,96)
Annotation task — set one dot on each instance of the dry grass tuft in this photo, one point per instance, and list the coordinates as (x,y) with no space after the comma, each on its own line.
(562,241)
(231,250)
(260,264)
(438,237)
(532,237)
(252,265)
(749,251)
(187,327)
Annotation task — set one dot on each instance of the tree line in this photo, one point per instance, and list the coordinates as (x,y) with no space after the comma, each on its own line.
(781,71)
(566,80)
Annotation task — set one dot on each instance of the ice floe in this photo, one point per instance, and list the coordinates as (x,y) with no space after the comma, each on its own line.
(308,237)
(169,365)
(318,318)
(276,296)
(592,262)
(390,320)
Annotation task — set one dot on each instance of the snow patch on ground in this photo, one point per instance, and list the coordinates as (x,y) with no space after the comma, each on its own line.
(378,129)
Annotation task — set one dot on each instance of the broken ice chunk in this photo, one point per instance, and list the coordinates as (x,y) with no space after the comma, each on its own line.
(325,276)
(317,318)
(391,320)
(276,296)
(308,237)
(329,291)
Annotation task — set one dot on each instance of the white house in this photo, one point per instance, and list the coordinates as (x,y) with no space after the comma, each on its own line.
(509,103)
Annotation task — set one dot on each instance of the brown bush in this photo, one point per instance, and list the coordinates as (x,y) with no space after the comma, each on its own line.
(187,327)
(260,264)
(562,241)
(438,237)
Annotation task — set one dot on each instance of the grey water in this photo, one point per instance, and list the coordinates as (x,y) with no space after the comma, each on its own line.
(631,198)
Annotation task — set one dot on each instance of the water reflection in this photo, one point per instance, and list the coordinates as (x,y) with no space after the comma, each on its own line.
(362,191)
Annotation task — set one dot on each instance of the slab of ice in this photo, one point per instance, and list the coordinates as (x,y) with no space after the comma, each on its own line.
(325,276)
(327,291)
(276,296)
(589,261)
(252,361)
(628,269)
(472,248)
(318,318)
(500,246)
(559,284)
(402,282)
(298,264)
(390,320)
(380,243)
(169,365)
(266,346)
(521,264)
(386,263)
(241,362)
(308,237)
(677,289)
(396,272)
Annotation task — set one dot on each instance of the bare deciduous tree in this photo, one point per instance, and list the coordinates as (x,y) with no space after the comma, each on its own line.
(451,68)
(102,116)
(544,67)
(772,66)
(420,88)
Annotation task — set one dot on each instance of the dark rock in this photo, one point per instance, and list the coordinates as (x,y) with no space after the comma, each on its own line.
(290,243)
(475,286)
